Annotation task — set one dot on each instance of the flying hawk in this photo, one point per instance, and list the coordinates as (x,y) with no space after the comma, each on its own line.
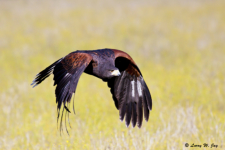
(129,90)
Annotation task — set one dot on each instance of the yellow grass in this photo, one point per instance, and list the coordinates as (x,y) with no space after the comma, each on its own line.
(179,46)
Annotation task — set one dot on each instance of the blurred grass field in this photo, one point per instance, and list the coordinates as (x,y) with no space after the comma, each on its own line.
(179,46)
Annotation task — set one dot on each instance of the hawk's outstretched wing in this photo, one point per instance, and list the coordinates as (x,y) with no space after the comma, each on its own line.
(67,72)
(130,92)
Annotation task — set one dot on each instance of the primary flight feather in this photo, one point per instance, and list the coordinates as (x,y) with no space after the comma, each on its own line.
(129,90)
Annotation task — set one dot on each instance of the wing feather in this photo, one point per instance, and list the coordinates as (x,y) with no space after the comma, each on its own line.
(139,112)
(122,111)
(147,95)
(123,95)
(134,114)
(145,106)
(128,114)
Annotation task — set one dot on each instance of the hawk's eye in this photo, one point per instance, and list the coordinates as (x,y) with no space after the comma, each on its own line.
(94,64)
(111,70)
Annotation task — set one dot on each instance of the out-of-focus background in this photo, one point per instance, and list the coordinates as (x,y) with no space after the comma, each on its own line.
(178,45)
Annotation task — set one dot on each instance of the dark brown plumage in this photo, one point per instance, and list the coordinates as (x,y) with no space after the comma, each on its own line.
(129,90)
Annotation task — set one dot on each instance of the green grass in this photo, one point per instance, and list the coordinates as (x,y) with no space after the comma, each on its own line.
(179,47)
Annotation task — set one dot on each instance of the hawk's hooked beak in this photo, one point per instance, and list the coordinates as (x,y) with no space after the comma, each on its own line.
(116,73)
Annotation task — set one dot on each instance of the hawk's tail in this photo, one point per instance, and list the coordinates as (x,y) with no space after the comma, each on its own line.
(44,74)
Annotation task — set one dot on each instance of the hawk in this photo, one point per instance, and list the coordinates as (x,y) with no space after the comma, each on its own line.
(129,90)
